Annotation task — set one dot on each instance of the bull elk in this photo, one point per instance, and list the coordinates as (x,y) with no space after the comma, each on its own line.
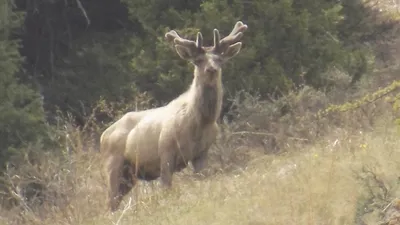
(155,143)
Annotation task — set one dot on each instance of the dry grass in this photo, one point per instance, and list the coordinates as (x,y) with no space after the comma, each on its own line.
(341,179)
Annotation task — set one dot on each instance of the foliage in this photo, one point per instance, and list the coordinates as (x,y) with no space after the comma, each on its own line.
(80,51)
(76,51)
(367,99)
(297,44)
(396,106)
(21,110)
(364,24)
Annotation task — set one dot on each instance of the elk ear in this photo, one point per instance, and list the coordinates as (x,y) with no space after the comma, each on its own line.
(183,52)
(232,50)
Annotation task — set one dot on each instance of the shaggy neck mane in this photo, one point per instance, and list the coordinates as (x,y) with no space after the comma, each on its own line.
(206,99)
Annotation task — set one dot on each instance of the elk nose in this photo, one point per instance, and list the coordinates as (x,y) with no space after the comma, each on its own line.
(211,70)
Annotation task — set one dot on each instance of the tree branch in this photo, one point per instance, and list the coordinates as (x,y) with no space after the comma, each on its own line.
(80,6)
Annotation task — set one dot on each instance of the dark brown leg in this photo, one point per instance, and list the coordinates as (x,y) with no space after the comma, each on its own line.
(127,180)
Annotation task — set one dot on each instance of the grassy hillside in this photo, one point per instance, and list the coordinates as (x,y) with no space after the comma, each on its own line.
(332,182)
(347,174)
(342,179)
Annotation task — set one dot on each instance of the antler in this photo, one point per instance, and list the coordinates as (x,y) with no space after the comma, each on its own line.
(220,45)
(235,36)
(172,36)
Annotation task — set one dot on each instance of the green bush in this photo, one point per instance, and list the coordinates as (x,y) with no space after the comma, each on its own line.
(288,43)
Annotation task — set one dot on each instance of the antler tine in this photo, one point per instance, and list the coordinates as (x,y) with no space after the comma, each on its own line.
(173,36)
(239,27)
(199,40)
(217,39)
(235,36)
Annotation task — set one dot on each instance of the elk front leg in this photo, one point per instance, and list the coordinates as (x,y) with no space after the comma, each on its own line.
(167,148)
(167,168)
(200,162)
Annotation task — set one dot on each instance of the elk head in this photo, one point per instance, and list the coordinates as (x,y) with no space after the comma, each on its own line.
(208,60)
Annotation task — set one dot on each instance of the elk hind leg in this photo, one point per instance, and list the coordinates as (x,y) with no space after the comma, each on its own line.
(128,179)
(119,180)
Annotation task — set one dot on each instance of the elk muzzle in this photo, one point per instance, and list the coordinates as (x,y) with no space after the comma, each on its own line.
(211,70)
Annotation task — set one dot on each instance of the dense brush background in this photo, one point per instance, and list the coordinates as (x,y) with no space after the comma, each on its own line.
(310,123)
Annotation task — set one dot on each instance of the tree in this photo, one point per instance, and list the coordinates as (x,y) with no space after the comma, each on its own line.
(113,50)
(21,111)
(286,39)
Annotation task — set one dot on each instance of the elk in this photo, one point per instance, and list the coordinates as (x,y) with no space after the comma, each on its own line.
(155,143)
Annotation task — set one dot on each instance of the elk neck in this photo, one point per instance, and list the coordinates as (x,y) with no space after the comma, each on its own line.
(206,98)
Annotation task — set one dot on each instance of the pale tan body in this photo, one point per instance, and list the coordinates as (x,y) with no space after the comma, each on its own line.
(114,137)
(176,126)
(158,142)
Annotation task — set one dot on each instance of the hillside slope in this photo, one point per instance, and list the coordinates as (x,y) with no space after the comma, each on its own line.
(344,179)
